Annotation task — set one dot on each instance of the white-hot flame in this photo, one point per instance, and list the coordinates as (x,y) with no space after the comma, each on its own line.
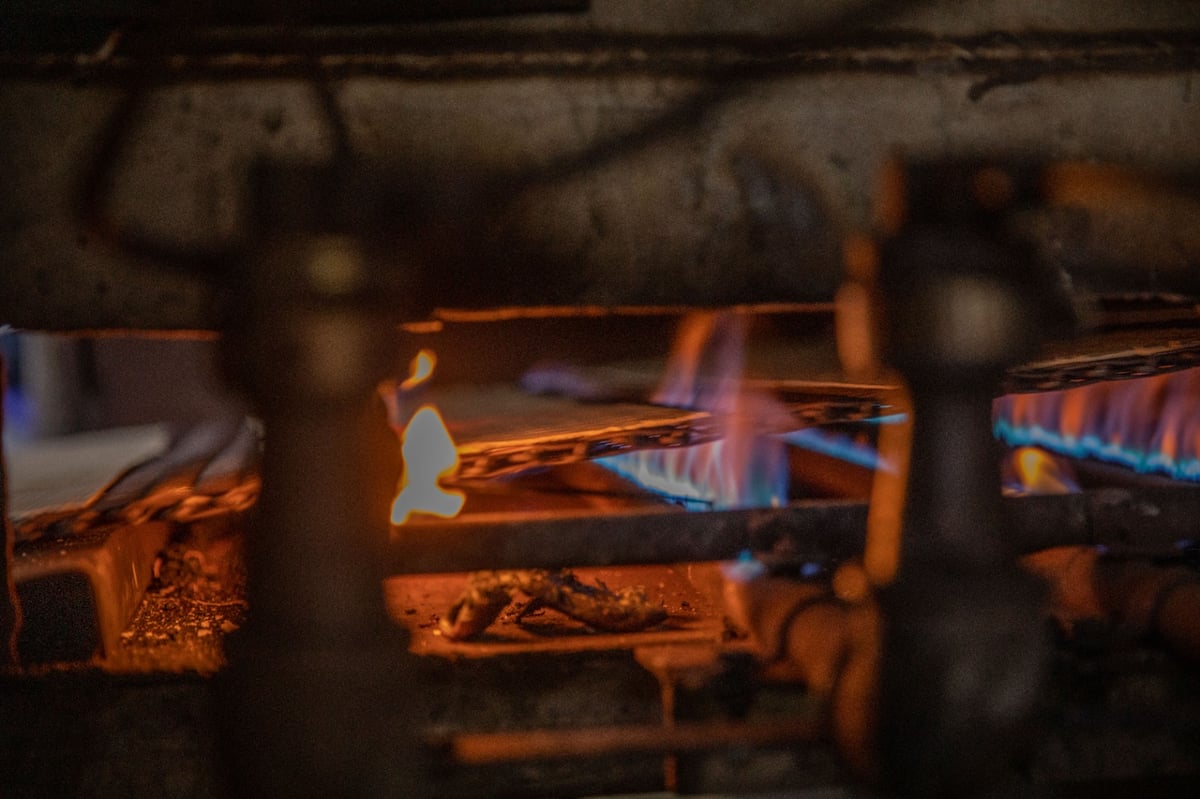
(428,452)
(429,457)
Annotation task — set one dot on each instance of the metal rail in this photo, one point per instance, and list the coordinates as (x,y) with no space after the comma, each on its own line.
(249,53)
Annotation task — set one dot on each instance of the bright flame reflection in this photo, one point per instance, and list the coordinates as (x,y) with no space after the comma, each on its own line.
(742,468)
(427,449)
(1029,470)
(1148,424)
(429,456)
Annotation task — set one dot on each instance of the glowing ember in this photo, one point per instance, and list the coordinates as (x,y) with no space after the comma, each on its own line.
(427,449)
(742,469)
(1030,470)
(1148,424)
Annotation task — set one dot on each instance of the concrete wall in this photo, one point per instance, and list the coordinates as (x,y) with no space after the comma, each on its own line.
(744,196)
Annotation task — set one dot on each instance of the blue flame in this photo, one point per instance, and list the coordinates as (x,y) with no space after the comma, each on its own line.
(1149,424)
(712,475)
(841,446)
(1093,446)
(743,469)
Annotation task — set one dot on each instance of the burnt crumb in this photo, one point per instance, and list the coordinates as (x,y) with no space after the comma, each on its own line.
(212,571)
(196,598)
(492,595)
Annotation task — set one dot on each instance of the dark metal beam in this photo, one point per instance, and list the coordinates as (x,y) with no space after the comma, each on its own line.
(1143,520)
(264,52)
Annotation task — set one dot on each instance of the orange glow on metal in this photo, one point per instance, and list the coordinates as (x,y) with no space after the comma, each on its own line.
(1035,471)
(885,511)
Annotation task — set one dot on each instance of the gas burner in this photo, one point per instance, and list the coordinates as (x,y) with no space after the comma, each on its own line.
(571,558)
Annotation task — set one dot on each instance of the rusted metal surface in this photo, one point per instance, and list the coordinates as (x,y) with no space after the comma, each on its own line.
(82,571)
(783,169)
(78,593)
(610,16)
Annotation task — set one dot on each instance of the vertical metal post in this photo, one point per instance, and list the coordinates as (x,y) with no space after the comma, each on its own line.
(319,680)
(963,644)
(10,611)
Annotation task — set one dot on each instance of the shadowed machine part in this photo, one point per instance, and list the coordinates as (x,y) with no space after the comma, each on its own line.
(312,699)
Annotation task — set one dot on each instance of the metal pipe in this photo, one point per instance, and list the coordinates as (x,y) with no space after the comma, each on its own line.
(1143,520)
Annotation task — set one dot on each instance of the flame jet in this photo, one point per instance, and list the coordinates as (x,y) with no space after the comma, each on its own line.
(742,469)
(1147,424)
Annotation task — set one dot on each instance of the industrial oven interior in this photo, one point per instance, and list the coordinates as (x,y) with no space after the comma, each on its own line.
(560,398)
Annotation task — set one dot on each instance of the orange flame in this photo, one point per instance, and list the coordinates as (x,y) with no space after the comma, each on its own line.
(1147,424)
(1030,470)
(420,371)
(742,468)
(429,455)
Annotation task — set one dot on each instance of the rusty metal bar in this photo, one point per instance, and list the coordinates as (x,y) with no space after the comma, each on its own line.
(257,53)
(1145,519)
(818,529)
(478,749)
